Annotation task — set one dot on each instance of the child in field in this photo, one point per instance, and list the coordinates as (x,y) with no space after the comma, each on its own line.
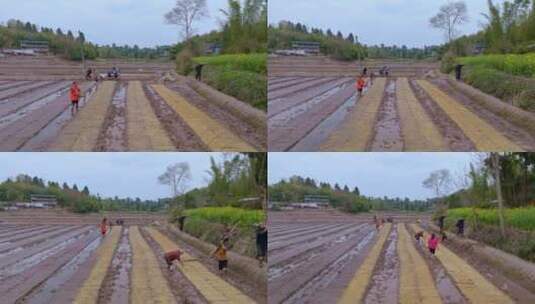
(361,83)
(172,256)
(432,243)
(220,255)
(104,226)
(74,96)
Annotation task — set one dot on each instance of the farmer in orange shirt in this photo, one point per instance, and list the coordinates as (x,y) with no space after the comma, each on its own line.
(75,96)
(104,226)
(361,83)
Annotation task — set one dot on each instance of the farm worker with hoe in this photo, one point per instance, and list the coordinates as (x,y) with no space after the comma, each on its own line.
(361,83)
(432,243)
(220,254)
(261,243)
(172,256)
(74,95)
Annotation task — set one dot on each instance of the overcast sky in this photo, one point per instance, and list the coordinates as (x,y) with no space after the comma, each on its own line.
(109,174)
(121,22)
(376,174)
(375,21)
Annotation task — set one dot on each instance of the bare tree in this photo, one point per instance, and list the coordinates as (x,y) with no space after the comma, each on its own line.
(439,182)
(176,176)
(185,13)
(449,17)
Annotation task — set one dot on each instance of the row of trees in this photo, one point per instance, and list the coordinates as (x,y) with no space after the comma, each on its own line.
(243,30)
(61,43)
(282,35)
(233,179)
(20,188)
(342,197)
(517,182)
(70,45)
(340,46)
(509,28)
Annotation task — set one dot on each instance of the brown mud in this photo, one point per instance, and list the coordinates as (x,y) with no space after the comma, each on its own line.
(388,137)
(112,137)
(179,132)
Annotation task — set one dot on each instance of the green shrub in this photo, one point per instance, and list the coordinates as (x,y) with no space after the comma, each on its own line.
(519,65)
(507,87)
(255,63)
(519,218)
(526,100)
(227,215)
(245,86)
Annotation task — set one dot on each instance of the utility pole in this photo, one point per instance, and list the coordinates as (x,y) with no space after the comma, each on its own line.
(497,175)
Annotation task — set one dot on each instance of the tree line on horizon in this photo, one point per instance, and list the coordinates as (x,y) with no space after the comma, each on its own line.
(340,46)
(69,45)
(21,187)
(342,197)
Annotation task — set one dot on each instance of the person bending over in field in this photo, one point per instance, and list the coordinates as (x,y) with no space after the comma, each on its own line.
(172,256)
(220,254)
(432,243)
(361,84)
(74,95)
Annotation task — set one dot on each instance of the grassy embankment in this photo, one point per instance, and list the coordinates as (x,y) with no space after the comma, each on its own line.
(508,77)
(483,225)
(209,223)
(243,76)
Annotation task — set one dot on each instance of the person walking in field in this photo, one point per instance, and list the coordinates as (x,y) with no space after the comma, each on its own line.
(198,72)
(432,243)
(172,256)
(74,94)
(104,226)
(261,243)
(361,84)
(372,77)
(220,255)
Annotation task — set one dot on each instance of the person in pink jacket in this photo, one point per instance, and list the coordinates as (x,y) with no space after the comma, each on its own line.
(432,243)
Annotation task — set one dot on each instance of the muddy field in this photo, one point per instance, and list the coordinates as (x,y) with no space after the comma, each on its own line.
(48,262)
(313,106)
(137,113)
(328,257)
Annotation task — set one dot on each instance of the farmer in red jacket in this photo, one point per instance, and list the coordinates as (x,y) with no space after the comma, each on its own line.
(432,243)
(361,83)
(74,95)
(172,256)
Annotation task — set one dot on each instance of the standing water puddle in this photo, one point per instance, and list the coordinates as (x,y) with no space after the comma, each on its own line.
(47,290)
(21,113)
(316,137)
(330,273)
(37,258)
(284,117)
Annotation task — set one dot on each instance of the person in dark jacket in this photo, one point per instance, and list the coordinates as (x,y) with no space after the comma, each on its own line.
(261,244)
(198,71)
(460,227)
